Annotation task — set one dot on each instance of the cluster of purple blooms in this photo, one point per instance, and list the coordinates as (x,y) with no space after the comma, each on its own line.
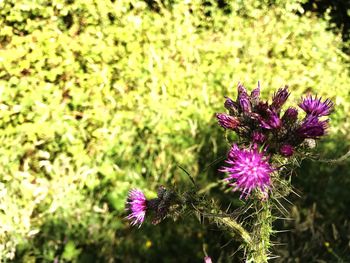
(263,131)
(259,123)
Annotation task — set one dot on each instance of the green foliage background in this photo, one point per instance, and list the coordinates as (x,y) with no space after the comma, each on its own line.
(97,97)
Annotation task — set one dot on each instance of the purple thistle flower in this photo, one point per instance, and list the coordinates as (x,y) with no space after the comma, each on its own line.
(312,127)
(272,122)
(249,168)
(137,206)
(227,121)
(258,137)
(287,150)
(315,107)
(279,98)
(290,115)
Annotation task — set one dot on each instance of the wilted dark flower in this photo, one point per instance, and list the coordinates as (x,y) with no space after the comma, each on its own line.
(312,127)
(137,206)
(279,98)
(161,204)
(258,137)
(315,107)
(227,121)
(290,115)
(287,150)
(249,168)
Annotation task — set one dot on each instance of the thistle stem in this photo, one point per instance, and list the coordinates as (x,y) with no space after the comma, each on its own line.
(236,228)
(228,224)
(258,251)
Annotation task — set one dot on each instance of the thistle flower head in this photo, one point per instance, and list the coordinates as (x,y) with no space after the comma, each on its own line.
(137,206)
(249,168)
(312,127)
(279,98)
(314,106)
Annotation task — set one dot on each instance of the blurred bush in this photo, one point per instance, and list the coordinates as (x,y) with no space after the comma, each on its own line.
(98,97)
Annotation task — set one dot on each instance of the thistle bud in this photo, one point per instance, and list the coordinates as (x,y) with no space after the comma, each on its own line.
(244,103)
(290,115)
(241,89)
(231,105)
(272,122)
(243,99)
(255,95)
(279,98)
(258,137)
(287,150)
(227,121)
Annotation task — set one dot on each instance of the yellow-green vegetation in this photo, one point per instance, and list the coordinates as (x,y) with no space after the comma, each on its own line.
(97,97)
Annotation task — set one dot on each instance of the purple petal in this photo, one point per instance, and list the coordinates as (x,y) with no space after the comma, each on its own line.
(137,206)
(314,106)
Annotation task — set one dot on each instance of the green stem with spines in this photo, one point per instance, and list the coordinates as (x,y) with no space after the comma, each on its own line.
(258,251)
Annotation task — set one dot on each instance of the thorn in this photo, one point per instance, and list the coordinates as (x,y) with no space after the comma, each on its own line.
(289,202)
(228,208)
(273,257)
(284,218)
(286,211)
(281,231)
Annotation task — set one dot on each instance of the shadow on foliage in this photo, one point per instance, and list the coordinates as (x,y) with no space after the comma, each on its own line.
(320,227)
(339,11)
